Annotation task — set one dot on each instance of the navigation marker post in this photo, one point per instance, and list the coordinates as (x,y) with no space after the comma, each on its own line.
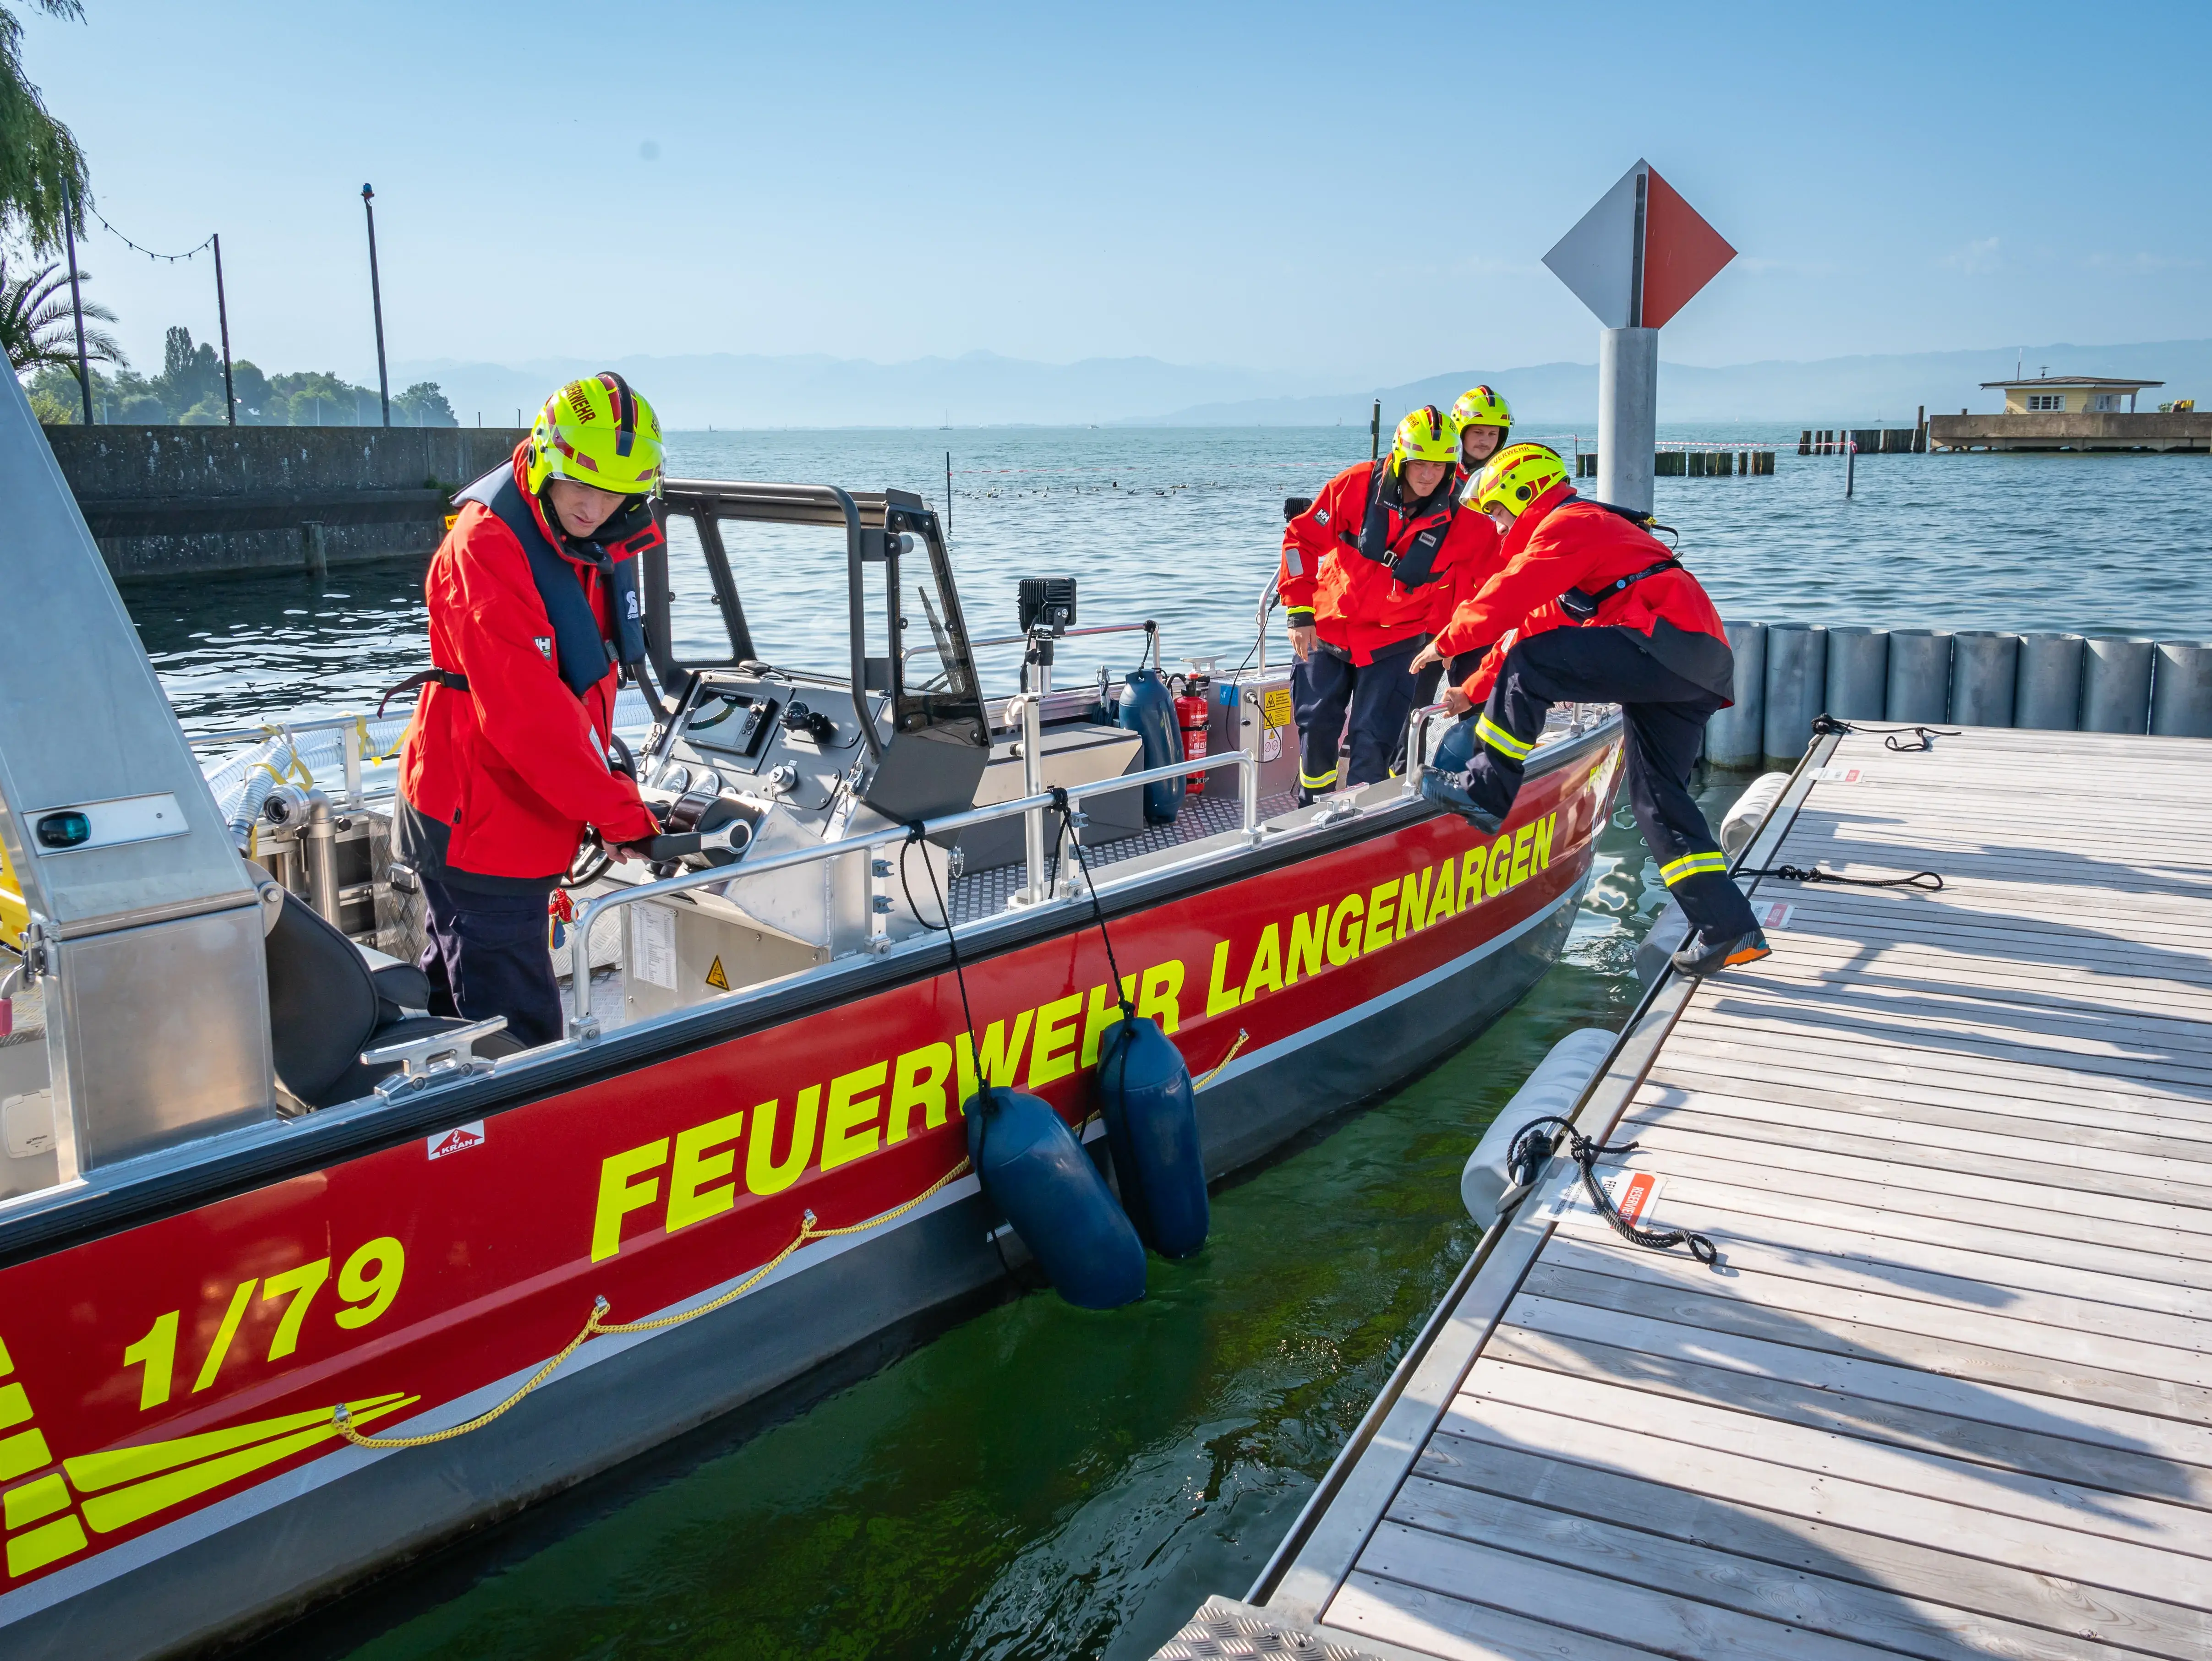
(1635,259)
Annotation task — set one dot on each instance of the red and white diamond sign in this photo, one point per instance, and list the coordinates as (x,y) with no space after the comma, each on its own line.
(1638,257)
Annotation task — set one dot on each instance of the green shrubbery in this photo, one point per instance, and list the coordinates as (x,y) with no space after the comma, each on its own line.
(188,393)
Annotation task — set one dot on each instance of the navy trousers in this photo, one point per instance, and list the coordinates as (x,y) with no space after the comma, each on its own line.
(486,956)
(1378,697)
(1666,716)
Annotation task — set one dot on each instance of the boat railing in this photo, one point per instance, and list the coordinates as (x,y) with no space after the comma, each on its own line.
(1038,890)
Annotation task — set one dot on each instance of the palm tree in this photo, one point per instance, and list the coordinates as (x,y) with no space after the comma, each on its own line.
(42,171)
(38,327)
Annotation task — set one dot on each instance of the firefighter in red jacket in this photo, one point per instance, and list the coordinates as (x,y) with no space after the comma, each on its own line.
(1484,420)
(533,606)
(1366,571)
(1599,611)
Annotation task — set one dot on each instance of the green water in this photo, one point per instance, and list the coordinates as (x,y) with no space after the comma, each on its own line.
(1039,1482)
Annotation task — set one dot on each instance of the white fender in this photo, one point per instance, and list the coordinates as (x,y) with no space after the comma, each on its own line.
(1551,1088)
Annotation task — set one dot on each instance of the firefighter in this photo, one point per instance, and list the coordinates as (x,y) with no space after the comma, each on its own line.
(1368,571)
(1598,610)
(1485,419)
(533,606)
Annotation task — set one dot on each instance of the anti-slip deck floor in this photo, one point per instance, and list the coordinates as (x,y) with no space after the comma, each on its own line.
(1948,1392)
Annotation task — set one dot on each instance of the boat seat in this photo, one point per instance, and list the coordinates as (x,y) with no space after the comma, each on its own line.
(326,1005)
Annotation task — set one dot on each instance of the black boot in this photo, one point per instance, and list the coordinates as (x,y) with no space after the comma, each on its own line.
(1703,953)
(1449,790)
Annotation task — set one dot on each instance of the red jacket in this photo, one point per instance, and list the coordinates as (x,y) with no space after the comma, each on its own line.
(515,767)
(1561,542)
(1363,605)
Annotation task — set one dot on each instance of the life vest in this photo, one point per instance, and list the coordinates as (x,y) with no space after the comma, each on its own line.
(1415,564)
(581,649)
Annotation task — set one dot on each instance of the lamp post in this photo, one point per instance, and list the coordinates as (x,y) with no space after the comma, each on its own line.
(76,303)
(223,321)
(376,303)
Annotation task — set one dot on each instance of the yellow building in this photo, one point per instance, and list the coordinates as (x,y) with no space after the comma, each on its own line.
(2070,395)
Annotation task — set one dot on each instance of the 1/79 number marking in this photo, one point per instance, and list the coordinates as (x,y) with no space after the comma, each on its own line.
(367,1285)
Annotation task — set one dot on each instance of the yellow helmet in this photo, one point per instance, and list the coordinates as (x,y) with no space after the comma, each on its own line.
(1426,435)
(596,431)
(1516,477)
(1481,406)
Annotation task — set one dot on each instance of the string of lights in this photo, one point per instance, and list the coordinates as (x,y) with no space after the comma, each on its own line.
(149,252)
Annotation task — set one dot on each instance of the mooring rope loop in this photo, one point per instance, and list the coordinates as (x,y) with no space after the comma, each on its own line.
(1533,1144)
(1924,738)
(1926,881)
(597,1325)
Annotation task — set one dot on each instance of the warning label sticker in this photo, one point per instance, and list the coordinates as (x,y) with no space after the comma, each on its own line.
(1271,744)
(460,1138)
(1634,1194)
(716,978)
(1772,913)
(1841,775)
(1275,706)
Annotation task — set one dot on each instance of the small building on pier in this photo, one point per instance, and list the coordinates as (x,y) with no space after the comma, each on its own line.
(2072,412)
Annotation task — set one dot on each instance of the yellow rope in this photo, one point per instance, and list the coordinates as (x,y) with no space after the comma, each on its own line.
(597,1325)
(368,748)
(1209,1073)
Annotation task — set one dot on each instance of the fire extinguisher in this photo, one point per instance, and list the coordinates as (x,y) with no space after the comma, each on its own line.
(1192,716)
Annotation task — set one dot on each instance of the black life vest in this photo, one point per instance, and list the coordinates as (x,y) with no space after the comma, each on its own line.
(581,650)
(1417,563)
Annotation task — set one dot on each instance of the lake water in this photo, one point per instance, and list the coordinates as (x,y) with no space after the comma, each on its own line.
(1036,1482)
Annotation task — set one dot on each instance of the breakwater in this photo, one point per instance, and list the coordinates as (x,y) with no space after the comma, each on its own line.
(1786,674)
(180,500)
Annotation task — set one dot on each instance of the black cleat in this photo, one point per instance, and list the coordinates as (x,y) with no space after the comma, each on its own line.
(1449,790)
(1702,954)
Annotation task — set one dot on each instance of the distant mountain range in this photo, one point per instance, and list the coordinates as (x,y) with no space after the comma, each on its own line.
(981,388)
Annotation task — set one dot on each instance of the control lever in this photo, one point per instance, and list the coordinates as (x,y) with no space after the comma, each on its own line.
(672,845)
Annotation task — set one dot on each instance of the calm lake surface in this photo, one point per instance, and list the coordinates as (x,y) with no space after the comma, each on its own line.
(1037,1481)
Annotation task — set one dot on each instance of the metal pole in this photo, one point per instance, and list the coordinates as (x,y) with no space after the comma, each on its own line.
(376,302)
(948,495)
(222,320)
(76,303)
(1627,415)
(1850,466)
(1375,433)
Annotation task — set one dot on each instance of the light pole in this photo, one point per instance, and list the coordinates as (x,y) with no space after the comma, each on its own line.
(376,302)
(76,304)
(223,321)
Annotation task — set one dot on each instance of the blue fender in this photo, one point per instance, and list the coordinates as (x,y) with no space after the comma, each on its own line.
(1148,710)
(1033,1169)
(1151,1125)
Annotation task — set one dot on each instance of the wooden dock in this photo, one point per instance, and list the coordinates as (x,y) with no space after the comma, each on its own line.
(1948,1391)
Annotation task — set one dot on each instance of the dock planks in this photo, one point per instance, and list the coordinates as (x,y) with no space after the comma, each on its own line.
(1948,1392)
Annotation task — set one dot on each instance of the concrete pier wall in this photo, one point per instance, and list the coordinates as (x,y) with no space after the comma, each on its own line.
(173,500)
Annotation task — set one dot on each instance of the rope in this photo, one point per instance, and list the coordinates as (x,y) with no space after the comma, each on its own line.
(1213,1072)
(368,746)
(1926,881)
(1924,738)
(1532,1146)
(596,1325)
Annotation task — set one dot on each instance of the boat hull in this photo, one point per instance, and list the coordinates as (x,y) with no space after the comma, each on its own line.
(180,1374)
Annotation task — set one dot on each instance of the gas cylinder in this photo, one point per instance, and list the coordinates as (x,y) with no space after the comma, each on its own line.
(1194,717)
(1033,1169)
(1151,1125)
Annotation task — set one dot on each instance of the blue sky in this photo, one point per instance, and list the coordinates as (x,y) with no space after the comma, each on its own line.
(1361,193)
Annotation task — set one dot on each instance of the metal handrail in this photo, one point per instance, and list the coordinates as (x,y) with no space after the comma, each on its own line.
(580,1024)
(1148,626)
